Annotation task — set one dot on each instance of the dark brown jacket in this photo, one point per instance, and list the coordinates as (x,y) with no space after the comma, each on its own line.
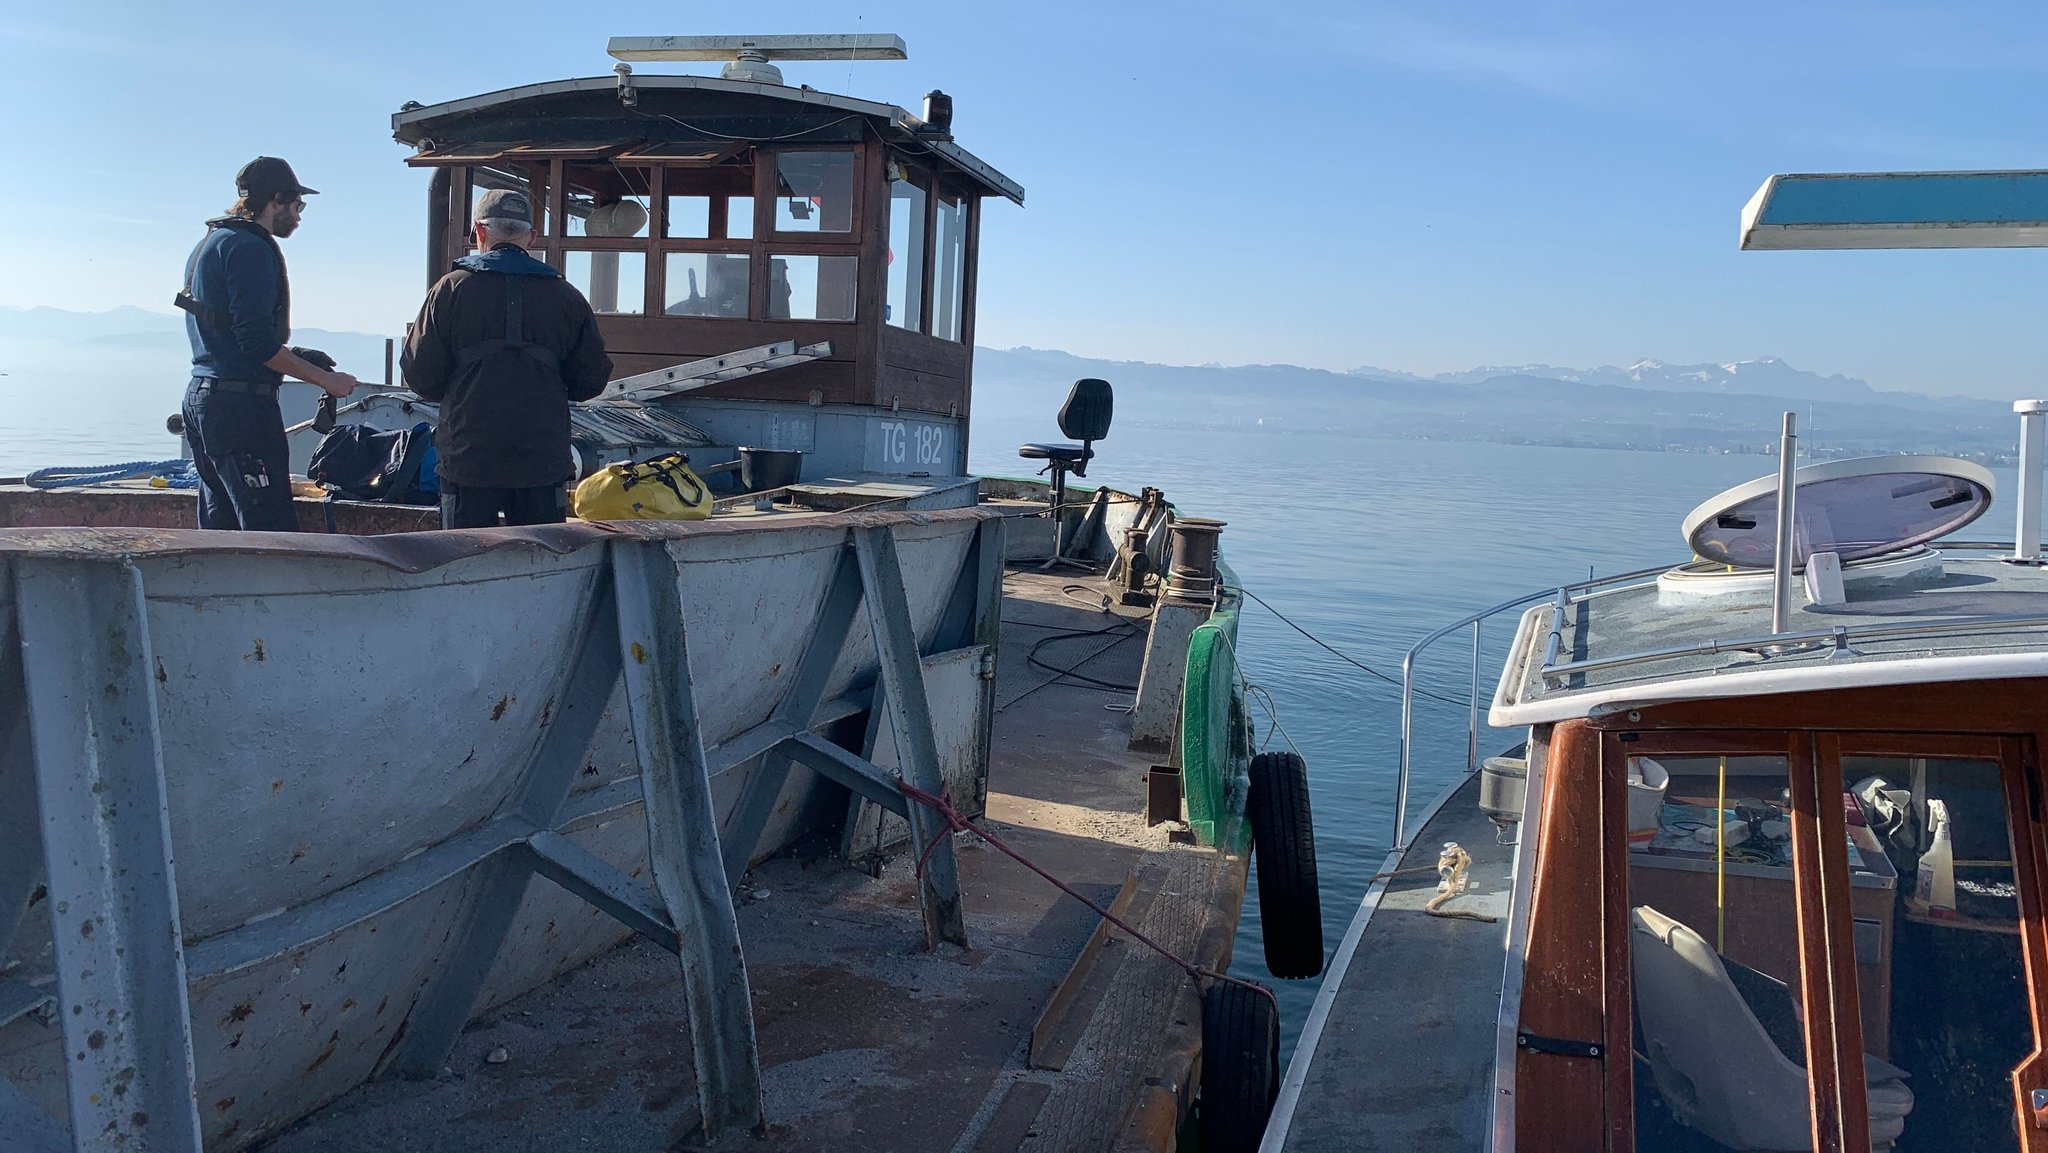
(504,405)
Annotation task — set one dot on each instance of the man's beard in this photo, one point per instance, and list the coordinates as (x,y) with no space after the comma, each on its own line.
(284,225)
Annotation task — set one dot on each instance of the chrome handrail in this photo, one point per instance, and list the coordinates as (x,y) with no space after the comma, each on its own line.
(1564,596)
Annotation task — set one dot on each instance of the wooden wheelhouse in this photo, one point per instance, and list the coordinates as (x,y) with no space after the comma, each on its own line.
(706,215)
(1786,888)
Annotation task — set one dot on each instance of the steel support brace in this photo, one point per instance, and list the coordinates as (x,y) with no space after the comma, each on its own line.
(682,835)
(500,884)
(113,895)
(796,709)
(903,694)
(604,885)
(862,776)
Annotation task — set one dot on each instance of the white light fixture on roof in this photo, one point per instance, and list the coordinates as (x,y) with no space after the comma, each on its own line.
(751,58)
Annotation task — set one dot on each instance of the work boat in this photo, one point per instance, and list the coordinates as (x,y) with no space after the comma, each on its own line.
(642,834)
(1770,869)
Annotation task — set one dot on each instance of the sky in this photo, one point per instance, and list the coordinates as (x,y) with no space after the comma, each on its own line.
(1414,186)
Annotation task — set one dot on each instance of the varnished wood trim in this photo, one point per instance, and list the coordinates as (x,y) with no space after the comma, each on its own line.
(1561,1101)
(1815,989)
(1995,707)
(1620,974)
(1714,744)
(2024,785)
(1844,1014)
(1955,746)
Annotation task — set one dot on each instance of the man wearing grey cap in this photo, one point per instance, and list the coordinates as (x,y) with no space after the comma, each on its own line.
(503,344)
(238,304)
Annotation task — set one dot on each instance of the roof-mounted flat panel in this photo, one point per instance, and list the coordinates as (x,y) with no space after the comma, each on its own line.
(1898,210)
(870,46)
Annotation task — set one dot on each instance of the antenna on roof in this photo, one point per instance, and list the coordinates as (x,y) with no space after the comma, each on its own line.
(750,57)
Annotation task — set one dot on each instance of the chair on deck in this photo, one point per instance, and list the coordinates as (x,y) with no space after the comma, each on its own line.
(1085,417)
(1714,1063)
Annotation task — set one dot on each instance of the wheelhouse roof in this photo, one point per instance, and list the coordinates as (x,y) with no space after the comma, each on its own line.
(682,109)
(1972,616)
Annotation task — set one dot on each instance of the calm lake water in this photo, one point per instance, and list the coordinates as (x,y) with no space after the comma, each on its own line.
(1369,544)
(1373,544)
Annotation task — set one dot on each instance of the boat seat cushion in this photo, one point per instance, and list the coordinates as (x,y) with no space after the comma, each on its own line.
(1070,453)
(1713,1061)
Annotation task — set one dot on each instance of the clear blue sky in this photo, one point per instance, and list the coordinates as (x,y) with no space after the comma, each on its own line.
(1418,186)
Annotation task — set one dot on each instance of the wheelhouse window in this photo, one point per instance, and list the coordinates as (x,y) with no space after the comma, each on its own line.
(606,214)
(613,282)
(907,204)
(814,192)
(949,273)
(803,287)
(706,284)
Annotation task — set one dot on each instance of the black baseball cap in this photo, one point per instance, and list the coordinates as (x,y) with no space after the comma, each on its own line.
(266,177)
(505,204)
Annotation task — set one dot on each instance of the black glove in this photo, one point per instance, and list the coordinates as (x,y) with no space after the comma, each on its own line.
(314,357)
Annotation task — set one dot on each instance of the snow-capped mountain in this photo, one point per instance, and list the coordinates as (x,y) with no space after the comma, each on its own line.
(1759,376)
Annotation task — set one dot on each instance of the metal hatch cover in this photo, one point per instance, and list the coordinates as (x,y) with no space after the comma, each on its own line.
(1858,508)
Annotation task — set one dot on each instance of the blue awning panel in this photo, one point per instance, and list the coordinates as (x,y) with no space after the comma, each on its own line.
(1899,210)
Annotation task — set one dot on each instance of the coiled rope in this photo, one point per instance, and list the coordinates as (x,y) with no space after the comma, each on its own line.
(173,474)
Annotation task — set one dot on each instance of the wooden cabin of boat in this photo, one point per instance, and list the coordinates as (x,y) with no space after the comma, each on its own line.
(1788,884)
(704,215)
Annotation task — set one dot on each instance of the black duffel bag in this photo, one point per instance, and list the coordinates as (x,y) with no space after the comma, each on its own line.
(358,462)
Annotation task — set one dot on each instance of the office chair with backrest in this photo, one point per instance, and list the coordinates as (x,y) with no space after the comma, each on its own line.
(1085,417)
(1714,1063)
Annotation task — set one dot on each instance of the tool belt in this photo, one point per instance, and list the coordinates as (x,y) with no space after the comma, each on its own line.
(241,387)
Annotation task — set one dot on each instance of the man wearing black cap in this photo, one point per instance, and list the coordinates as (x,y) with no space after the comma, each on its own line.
(503,344)
(238,303)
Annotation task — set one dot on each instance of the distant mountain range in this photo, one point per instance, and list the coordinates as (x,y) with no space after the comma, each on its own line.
(1727,407)
(1761,376)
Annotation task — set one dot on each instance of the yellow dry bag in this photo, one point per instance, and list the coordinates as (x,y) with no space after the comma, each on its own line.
(663,488)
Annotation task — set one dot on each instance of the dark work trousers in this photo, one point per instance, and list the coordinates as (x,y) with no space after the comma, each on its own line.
(467,506)
(244,466)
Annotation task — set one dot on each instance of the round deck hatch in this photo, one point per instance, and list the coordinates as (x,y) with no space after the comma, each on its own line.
(1853,508)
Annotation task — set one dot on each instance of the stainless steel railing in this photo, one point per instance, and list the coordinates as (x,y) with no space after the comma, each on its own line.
(1565,596)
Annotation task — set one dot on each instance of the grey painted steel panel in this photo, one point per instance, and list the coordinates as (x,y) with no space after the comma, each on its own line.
(953,684)
(349,743)
(92,707)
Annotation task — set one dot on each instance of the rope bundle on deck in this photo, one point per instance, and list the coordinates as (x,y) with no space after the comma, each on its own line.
(161,474)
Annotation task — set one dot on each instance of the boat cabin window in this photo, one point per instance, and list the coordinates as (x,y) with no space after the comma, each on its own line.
(907,227)
(613,282)
(706,284)
(949,274)
(727,231)
(605,208)
(803,287)
(714,203)
(814,192)
(1744,918)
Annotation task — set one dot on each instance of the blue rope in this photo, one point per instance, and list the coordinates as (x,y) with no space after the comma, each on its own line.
(175,473)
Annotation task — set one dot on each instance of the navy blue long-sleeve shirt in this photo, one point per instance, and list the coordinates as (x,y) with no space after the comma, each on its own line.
(237,275)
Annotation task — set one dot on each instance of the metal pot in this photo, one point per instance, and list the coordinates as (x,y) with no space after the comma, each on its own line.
(764,468)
